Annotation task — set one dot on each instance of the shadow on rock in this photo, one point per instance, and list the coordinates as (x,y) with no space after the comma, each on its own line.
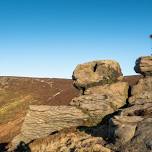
(3,147)
(22,147)
(103,129)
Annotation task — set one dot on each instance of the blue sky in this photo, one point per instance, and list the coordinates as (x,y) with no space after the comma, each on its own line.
(48,38)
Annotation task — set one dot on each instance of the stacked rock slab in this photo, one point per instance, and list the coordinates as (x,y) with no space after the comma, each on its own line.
(42,120)
(142,106)
(142,92)
(103,95)
(138,114)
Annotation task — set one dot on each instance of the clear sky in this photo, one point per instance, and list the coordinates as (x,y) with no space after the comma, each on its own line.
(48,38)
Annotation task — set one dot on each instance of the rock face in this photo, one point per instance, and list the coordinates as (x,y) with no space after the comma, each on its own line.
(144,65)
(96,73)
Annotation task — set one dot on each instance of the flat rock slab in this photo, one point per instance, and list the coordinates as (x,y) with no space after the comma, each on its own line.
(41,121)
(96,106)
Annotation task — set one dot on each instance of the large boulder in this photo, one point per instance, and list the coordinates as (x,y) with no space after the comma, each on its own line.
(96,73)
(144,65)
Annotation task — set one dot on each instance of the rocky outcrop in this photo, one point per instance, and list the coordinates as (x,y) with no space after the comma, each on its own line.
(89,109)
(129,127)
(86,110)
(108,116)
(17,93)
(142,140)
(96,73)
(144,65)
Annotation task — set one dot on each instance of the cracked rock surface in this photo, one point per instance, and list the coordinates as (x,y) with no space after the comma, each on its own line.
(96,73)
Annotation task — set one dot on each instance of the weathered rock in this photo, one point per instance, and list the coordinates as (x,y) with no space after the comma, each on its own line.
(142,91)
(144,65)
(144,109)
(140,107)
(123,127)
(96,73)
(41,121)
(97,106)
(74,141)
(142,140)
(118,92)
(100,101)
